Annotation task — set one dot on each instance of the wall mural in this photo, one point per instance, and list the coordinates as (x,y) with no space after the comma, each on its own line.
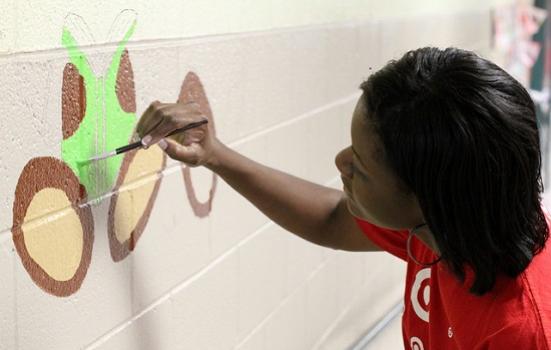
(53,226)
(192,90)
(52,232)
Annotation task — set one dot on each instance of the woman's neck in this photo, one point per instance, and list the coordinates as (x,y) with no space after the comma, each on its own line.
(426,236)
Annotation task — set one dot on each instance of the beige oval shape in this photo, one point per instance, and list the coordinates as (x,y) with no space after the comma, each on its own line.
(53,234)
(136,190)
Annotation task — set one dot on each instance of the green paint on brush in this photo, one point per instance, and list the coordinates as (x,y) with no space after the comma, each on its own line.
(105,125)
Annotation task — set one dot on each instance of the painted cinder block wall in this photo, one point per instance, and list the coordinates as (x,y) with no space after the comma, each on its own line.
(173,258)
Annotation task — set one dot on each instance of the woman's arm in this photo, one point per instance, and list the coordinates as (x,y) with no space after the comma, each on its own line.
(313,212)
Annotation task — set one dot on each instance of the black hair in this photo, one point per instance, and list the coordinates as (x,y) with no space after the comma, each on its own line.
(462,135)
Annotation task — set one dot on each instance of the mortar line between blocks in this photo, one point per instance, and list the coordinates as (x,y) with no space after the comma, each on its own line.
(381,324)
(307,115)
(283,302)
(91,202)
(333,325)
(174,290)
(182,41)
(270,223)
(156,43)
(339,318)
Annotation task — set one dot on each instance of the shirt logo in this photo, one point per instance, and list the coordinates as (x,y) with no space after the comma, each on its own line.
(416,344)
(420,294)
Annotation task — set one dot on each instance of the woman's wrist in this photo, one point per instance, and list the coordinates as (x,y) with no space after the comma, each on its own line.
(213,161)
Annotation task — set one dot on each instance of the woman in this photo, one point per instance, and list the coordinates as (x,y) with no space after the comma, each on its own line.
(443,172)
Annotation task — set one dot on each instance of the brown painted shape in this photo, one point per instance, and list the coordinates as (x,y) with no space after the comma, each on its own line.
(119,250)
(192,91)
(124,86)
(73,100)
(38,174)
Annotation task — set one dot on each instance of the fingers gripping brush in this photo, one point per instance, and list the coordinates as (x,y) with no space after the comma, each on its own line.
(139,143)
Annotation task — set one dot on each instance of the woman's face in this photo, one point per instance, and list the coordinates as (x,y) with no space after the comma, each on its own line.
(371,187)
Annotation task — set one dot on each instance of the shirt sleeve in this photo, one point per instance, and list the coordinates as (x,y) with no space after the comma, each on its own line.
(391,241)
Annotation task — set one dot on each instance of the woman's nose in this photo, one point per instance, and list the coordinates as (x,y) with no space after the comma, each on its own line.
(343,161)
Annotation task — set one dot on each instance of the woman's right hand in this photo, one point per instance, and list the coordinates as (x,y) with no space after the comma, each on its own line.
(194,147)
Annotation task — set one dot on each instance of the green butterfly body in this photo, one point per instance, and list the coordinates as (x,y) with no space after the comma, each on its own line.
(105,125)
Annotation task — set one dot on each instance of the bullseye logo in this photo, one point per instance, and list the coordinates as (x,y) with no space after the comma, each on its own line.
(420,294)
(416,344)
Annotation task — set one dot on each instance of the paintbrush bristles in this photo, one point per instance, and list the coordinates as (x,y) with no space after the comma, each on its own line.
(101,157)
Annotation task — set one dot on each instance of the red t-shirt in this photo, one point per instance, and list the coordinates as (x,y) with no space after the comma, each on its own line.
(440,313)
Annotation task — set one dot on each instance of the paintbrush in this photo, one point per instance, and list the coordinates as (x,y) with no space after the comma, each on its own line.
(138,144)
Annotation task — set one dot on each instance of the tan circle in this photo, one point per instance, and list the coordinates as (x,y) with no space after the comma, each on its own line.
(136,190)
(52,230)
(54,241)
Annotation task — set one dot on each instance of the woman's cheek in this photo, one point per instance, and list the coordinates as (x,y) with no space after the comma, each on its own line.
(370,205)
